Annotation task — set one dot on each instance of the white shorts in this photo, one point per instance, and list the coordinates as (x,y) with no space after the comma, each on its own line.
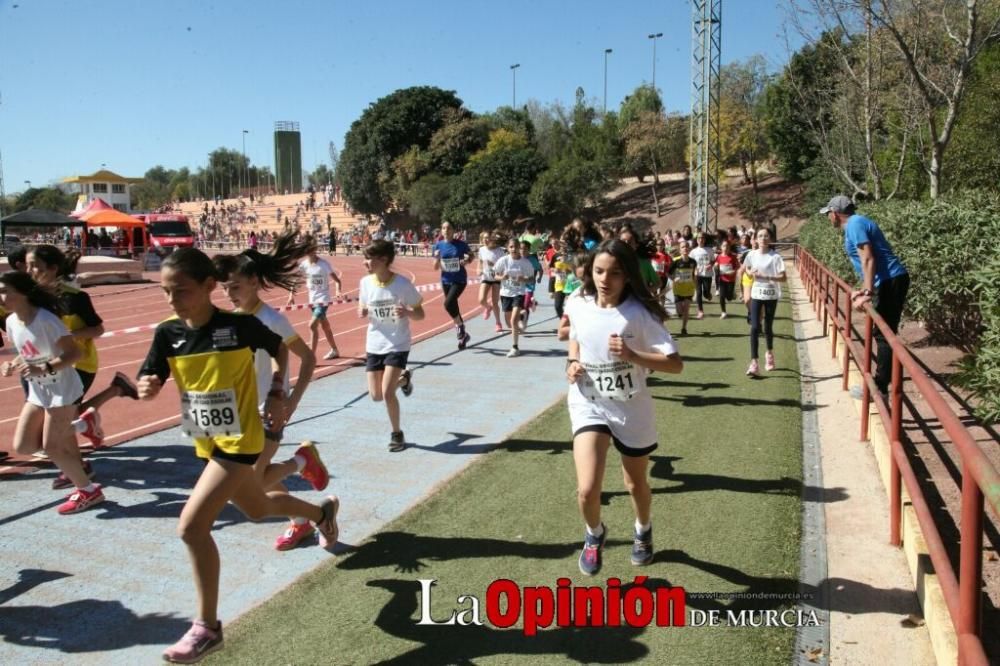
(630,423)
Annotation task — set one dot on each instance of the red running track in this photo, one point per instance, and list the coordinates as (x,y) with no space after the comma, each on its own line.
(125,306)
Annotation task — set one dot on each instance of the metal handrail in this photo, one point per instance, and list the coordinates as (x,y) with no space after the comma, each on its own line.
(980,479)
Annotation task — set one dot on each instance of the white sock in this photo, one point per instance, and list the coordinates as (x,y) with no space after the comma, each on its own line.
(300,462)
(642,529)
(595,531)
(79,425)
(300,521)
(89,488)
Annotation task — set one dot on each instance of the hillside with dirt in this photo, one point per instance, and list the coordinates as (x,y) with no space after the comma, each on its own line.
(780,202)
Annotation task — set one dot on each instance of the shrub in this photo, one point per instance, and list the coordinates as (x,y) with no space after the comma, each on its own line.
(949,249)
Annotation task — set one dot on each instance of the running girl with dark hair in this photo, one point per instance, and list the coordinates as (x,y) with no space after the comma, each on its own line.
(617,337)
(45,355)
(242,277)
(450,257)
(53,269)
(318,274)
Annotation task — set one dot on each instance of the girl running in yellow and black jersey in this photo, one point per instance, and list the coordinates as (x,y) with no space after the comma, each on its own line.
(210,354)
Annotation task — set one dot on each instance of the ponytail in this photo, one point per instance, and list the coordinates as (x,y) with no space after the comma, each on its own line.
(279,268)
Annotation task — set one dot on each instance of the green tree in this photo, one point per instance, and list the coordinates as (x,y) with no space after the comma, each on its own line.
(388,128)
(567,187)
(46,198)
(973,163)
(320,176)
(454,144)
(643,98)
(495,187)
(743,126)
(427,198)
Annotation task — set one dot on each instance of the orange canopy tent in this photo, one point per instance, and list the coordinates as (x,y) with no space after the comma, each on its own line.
(110,217)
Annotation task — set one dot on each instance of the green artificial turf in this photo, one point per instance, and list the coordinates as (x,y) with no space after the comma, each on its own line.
(726,508)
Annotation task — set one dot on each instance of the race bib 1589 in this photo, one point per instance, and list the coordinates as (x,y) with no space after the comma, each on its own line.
(210,413)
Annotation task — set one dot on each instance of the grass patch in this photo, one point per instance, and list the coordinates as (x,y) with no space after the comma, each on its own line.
(726,487)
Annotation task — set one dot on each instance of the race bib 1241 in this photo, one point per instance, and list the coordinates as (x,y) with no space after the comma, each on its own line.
(611,381)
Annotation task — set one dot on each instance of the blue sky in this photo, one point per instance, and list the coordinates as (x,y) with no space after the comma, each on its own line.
(135,83)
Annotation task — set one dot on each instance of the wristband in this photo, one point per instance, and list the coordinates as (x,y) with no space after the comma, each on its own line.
(572,360)
(275,393)
(48,368)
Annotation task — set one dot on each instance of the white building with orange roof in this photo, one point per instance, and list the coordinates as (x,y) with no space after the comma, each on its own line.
(107,185)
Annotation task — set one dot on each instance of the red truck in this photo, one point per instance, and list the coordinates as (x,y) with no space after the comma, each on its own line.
(168,231)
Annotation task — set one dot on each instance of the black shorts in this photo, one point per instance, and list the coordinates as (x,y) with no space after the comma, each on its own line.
(681,299)
(87,379)
(491,282)
(508,303)
(552,284)
(622,449)
(377,362)
(241,458)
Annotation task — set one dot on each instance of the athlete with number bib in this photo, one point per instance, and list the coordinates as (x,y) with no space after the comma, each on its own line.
(515,272)
(210,354)
(390,301)
(318,274)
(450,257)
(54,269)
(682,272)
(767,269)
(617,337)
(46,352)
(489,287)
(243,276)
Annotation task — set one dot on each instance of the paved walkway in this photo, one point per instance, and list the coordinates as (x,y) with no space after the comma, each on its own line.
(113,585)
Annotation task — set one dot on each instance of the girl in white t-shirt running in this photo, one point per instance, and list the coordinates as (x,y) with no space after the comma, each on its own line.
(390,301)
(46,352)
(767,270)
(489,287)
(617,338)
(515,272)
(318,273)
(242,276)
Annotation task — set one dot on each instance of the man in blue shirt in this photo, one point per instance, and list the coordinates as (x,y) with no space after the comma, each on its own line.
(884,280)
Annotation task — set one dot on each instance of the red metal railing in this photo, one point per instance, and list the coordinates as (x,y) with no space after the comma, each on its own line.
(831,299)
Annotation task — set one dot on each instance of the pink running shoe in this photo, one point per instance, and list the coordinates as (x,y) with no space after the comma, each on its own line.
(499,328)
(293,536)
(701,315)
(753,369)
(199,641)
(314,471)
(89,425)
(81,500)
(769,361)
(486,314)
(328,529)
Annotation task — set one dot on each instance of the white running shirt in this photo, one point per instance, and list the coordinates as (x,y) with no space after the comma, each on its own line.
(705,258)
(487,261)
(514,268)
(614,392)
(386,333)
(317,280)
(37,343)
(769,265)
(280,325)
